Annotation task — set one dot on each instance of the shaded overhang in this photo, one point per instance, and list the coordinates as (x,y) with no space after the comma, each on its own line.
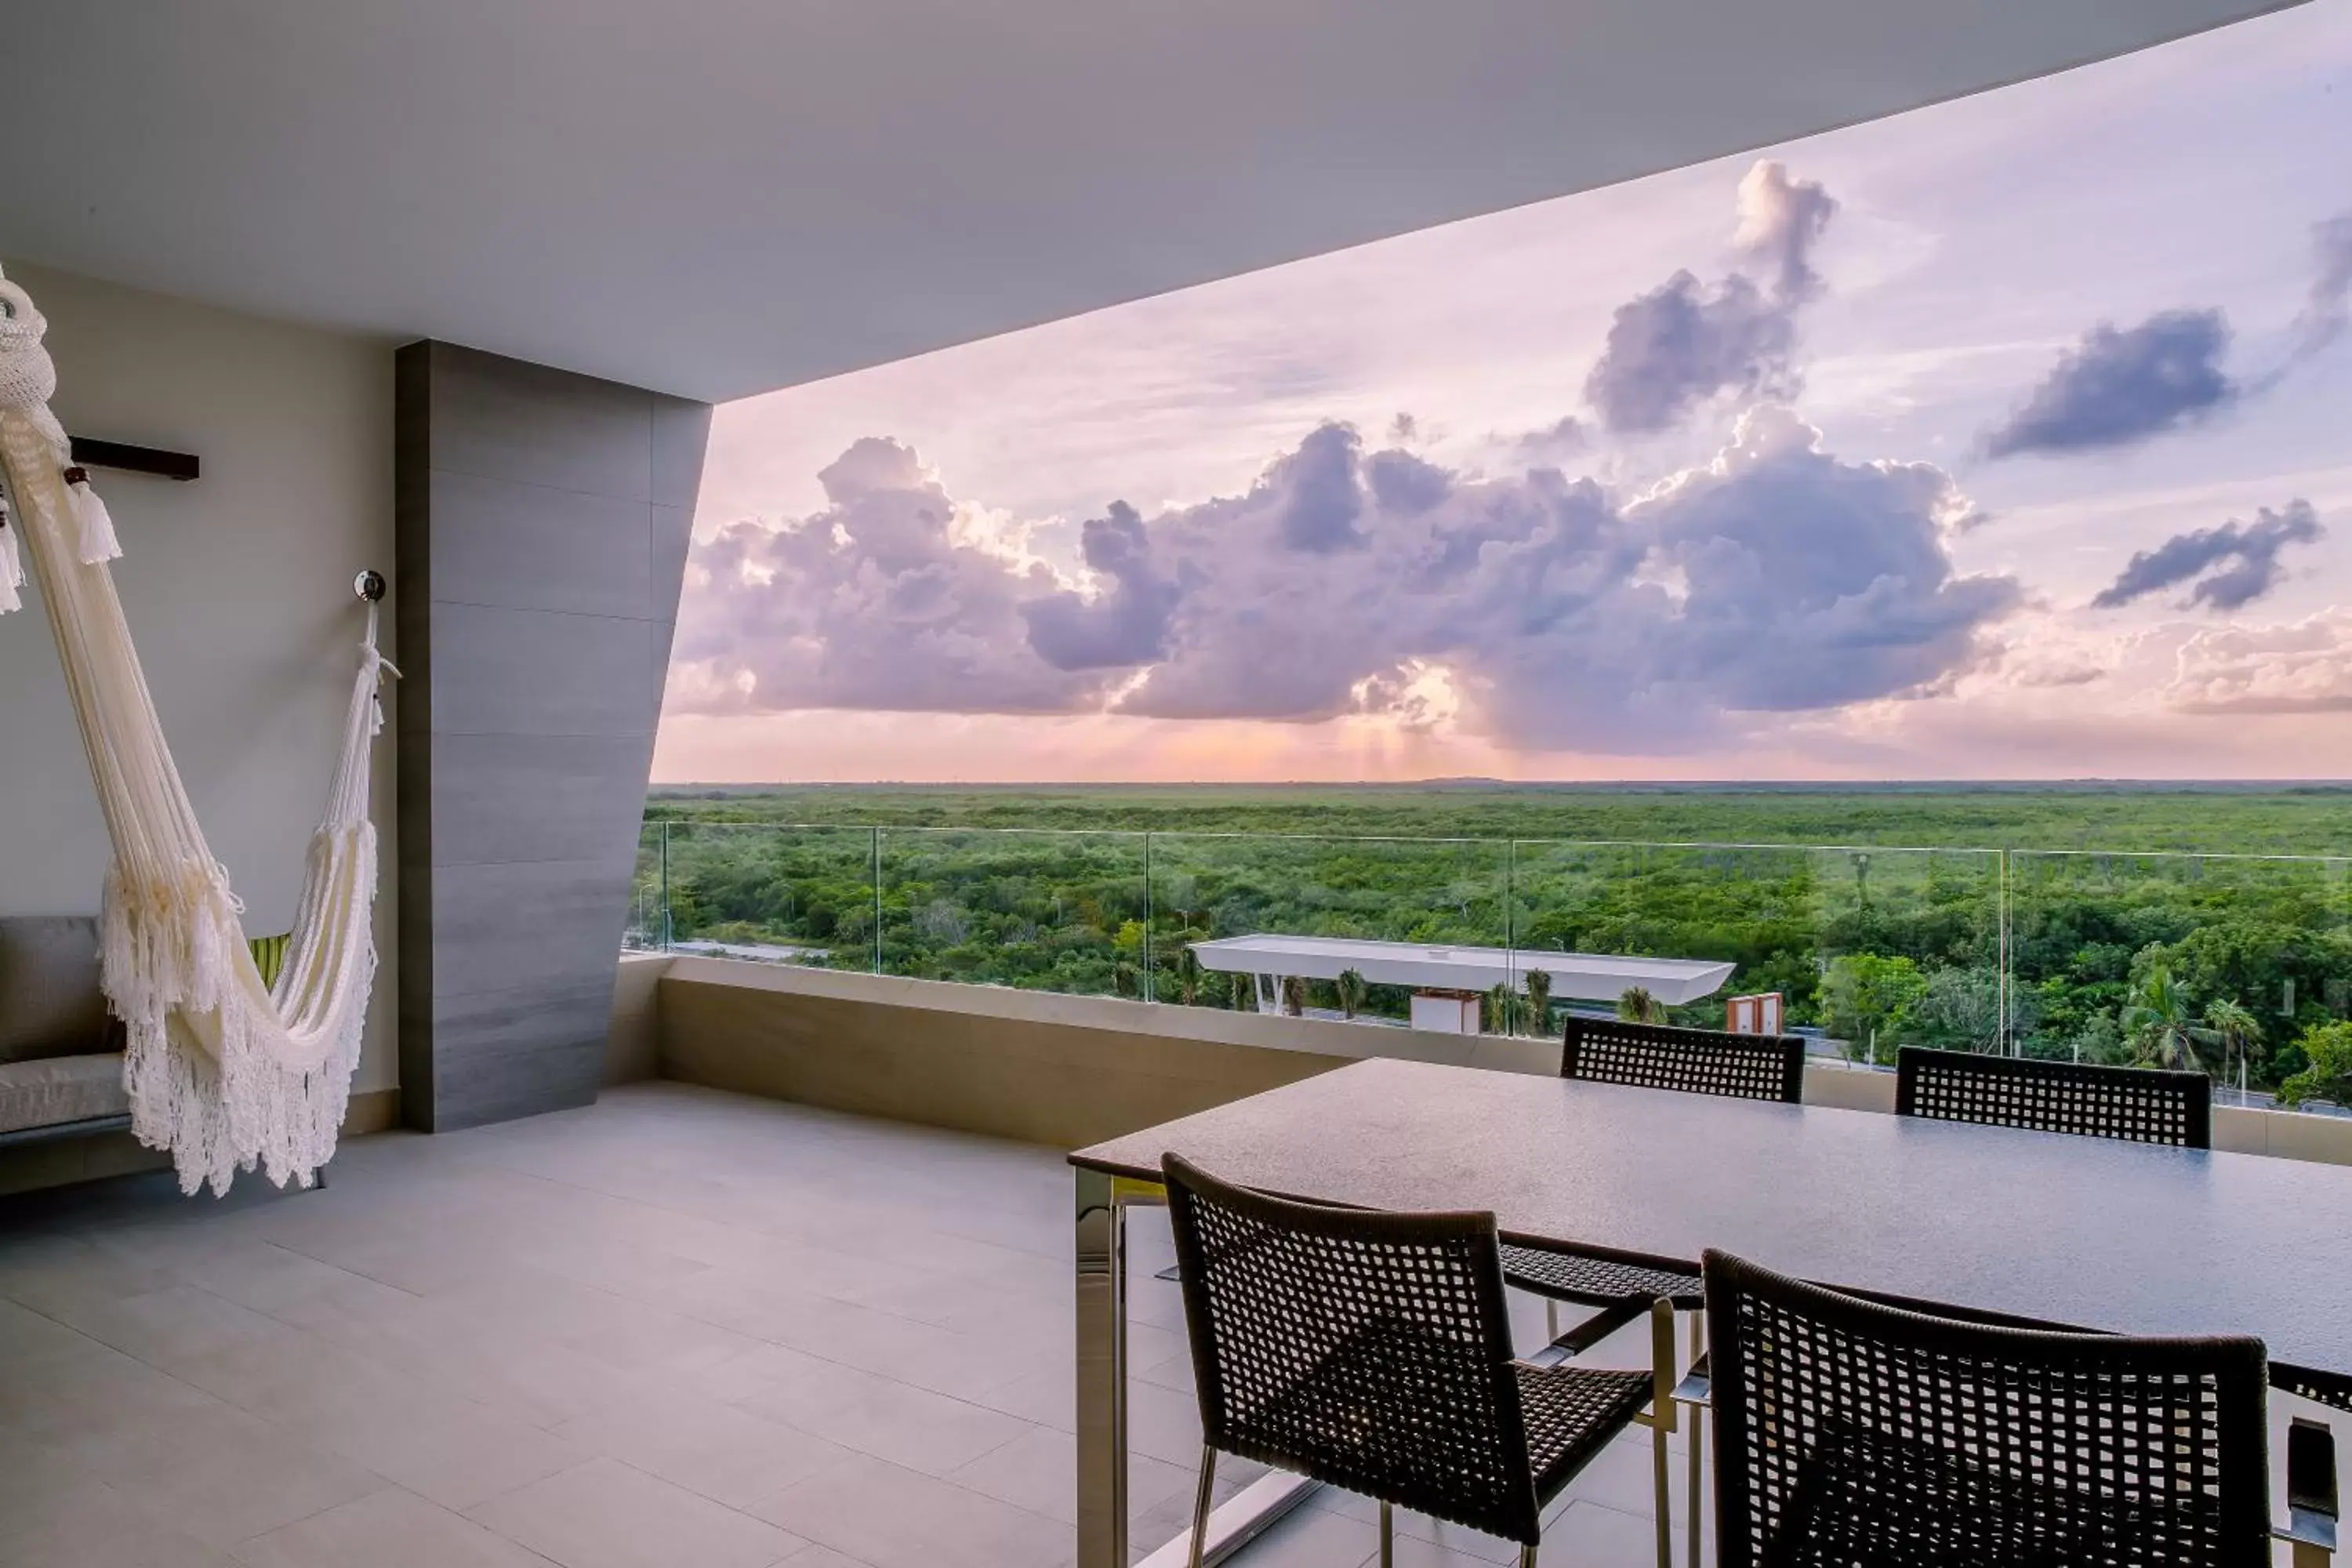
(719,197)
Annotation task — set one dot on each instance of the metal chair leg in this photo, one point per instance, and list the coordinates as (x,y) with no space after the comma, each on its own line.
(1526,1557)
(1387,1535)
(1201,1503)
(1662,1421)
(1551,1318)
(1696,1440)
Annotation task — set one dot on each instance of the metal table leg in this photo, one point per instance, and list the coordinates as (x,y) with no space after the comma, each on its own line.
(1102,1373)
(1102,1204)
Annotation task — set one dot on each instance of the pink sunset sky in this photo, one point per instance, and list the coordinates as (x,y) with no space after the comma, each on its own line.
(2003,439)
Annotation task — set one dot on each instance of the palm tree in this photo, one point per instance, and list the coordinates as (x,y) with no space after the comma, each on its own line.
(1636,1005)
(1500,1009)
(1243,989)
(1352,989)
(2161,1025)
(1293,996)
(1188,974)
(2235,1027)
(1539,1001)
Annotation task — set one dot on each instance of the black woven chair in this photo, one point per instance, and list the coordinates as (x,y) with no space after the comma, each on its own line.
(1688,1061)
(1372,1352)
(1653,1056)
(1848,1432)
(2139,1105)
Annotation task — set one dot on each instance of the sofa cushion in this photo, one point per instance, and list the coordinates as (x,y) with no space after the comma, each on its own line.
(62,1089)
(50,1004)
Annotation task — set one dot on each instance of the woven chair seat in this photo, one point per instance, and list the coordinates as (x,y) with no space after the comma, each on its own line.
(1572,1412)
(1597,1281)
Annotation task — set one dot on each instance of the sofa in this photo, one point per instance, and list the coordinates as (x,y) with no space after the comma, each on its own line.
(61,1053)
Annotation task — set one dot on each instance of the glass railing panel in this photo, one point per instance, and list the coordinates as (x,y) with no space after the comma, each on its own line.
(647,926)
(773,894)
(1336,927)
(1910,954)
(1040,911)
(1863,950)
(2224,963)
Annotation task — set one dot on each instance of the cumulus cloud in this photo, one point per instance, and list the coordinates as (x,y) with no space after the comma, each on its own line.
(2329,306)
(2303,667)
(1563,437)
(2120,386)
(870,602)
(1779,220)
(1535,609)
(1683,342)
(1320,498)
(1402,482)
(1125,624)
(2232,564)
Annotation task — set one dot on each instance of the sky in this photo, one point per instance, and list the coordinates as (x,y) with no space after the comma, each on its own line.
(2006,438)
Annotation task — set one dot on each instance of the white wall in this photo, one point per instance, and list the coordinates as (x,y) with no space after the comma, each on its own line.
(237,588)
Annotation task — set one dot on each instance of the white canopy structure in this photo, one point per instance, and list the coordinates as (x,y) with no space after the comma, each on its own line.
(1575,976)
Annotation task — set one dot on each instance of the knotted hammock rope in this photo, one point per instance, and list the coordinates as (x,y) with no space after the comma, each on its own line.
(222,1069)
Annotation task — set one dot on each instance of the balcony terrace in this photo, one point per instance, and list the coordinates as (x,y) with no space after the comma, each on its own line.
(679,1327)
(761,1251)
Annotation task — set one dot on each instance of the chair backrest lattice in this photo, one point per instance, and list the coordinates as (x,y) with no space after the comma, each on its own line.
(1851,1432)
(1693,1062)
(1368,1351)
(2138,1105)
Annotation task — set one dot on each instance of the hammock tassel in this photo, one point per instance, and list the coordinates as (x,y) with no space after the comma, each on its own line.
(98,541)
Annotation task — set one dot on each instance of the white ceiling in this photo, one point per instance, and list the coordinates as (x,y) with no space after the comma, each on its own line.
(717,197)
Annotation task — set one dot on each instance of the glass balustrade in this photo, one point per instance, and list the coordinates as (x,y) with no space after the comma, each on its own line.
(2225,963)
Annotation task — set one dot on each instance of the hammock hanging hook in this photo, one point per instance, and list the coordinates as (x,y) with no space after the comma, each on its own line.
(370,585)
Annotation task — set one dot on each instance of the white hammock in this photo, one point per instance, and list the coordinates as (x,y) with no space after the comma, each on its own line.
(222,1069)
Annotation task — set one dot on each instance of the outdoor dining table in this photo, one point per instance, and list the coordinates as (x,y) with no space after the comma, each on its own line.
(2084,1232)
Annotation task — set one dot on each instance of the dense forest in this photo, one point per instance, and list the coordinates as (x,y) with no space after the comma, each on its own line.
(2204,926)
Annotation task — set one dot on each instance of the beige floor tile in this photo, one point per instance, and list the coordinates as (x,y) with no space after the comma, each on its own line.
(815,1557)
(47,1494)
(726,1454)
(890,1517)
(90,1394)
(1308,1538)
(169,1328)
(1038,1471)
(605,1514)
(138,1547)
(455,1453)
(873,1415)
(220,1475)
(390,1529)
(54,1273)
(27,1338)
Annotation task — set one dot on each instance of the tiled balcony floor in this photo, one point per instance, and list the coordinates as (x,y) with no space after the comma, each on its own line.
(680,1328)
